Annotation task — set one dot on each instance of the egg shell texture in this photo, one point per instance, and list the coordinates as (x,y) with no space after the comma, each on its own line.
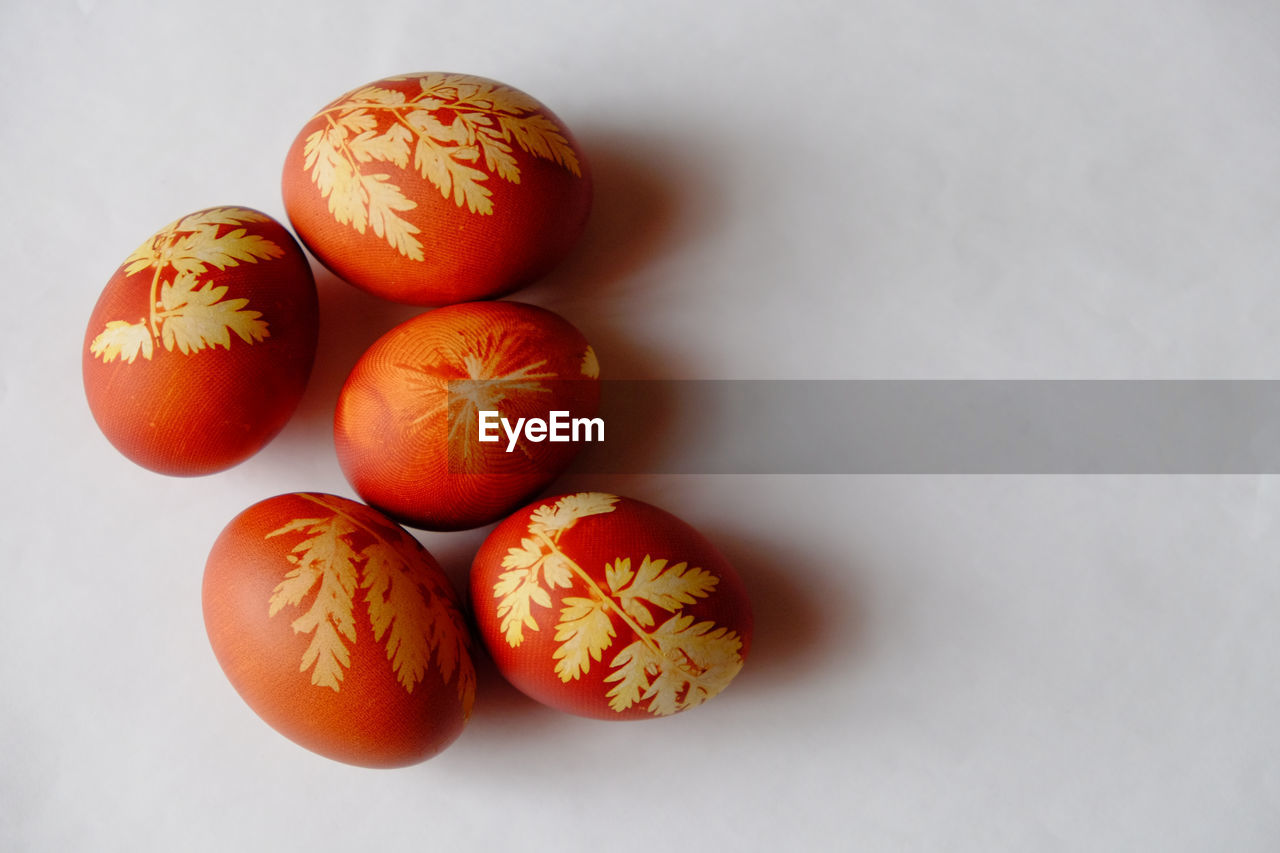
(608,607)
(406,423)
(200,345)
(339,630)
(437,188)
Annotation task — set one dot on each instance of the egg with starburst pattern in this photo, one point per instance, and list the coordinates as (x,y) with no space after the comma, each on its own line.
(435,424)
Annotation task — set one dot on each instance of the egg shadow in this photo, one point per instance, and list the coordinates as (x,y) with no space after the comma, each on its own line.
(350,321)
(499,707)
(795,625)
(650,199)
(501,711)
(645,202)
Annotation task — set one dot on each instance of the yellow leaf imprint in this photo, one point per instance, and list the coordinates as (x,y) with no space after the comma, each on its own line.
(567,511)
(584,632)
(194,318)
(668,588)
(460,131)
(326,559)
(410,615)
(685,665)
(590,365)
(182,313)
(677,665)
(123,340)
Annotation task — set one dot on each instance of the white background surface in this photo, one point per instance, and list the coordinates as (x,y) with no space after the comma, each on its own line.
(919,188)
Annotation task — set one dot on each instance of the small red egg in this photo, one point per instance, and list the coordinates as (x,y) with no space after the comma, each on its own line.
(200,346)
(437,188)
(407,427)
(339,630)
(608,607)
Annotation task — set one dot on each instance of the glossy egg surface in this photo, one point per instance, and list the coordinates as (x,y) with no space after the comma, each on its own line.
(608,607)
(200,346)
(339,630)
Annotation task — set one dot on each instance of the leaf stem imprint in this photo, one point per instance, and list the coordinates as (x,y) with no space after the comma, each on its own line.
(316,499)
(155,300)
(456,103)
(603,596)
(344,148)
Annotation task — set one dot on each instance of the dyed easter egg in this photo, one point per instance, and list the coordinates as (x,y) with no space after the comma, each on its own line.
(607,607)
(410,424)
(200,346)
(436,188)
(339,630)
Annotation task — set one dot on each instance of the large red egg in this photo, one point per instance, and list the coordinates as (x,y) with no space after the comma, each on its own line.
(200,346)
(437,188)
(408,423)
(339,630)
(608,607)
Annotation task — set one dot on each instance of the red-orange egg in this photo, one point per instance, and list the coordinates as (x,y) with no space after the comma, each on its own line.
(339,630)
(608,607)
(437,188)
(200,346)
(407,427)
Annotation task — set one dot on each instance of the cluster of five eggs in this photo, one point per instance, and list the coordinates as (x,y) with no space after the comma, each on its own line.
(331,621)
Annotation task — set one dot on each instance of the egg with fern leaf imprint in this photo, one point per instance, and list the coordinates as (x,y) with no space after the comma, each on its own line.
(609,607)
(339,630)
(199,348)
(435,188)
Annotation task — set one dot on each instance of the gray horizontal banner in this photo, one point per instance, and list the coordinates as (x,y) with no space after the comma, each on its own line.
(937,427)
(872,426)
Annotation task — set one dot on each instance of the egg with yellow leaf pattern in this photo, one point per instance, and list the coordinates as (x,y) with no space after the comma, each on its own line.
(339,630)
(608,607)
(200,346)
(437,188)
